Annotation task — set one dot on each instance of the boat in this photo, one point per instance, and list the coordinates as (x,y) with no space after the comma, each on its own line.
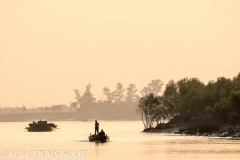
(97,138)
(41,126)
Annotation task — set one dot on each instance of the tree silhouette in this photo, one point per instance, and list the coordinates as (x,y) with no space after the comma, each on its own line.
(151,110)
(78,97)
(131,93)
(87,100)
(118,95)
(154,87)
(107,93)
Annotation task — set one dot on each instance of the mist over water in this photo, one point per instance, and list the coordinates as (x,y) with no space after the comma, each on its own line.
(126,141)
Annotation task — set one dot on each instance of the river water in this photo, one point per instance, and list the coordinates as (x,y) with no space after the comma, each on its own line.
(127,141)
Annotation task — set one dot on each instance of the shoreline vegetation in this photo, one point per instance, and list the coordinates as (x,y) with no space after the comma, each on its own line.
(190,107)
(187,128)
(65,116)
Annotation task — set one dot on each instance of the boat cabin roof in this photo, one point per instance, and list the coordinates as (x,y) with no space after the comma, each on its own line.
(42,122)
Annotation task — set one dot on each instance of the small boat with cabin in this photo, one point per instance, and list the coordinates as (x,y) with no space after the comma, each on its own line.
(41,126)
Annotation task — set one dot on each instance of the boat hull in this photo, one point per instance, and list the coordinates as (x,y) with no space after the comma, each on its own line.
(41,126)
(94,138)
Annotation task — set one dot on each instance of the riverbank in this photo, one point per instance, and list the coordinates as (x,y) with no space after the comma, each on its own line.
(66,116)
(225,130)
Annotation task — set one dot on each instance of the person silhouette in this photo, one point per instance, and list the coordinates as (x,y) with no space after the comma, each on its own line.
(96,127)
(102,133)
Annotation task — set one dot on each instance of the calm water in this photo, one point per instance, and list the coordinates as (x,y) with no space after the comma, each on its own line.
(126,142)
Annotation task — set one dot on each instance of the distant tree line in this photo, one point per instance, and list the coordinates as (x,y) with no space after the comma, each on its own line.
(53,108)
(120,101)
(23,109)
(190,100)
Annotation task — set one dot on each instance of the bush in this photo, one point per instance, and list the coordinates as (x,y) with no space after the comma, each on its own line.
(234,116)
(203,124)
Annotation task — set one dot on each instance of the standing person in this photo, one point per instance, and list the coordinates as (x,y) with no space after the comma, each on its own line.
(96,127)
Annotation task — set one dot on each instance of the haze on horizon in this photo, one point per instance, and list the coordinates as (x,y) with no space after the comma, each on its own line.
(49,48)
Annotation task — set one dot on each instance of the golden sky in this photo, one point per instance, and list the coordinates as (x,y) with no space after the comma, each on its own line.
(50,47)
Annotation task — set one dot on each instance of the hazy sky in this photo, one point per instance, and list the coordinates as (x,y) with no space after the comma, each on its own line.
(50,47)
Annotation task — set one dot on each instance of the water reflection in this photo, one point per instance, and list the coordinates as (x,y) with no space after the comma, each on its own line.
(96,149)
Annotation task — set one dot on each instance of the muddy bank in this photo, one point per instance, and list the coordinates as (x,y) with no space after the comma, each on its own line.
(226,130)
